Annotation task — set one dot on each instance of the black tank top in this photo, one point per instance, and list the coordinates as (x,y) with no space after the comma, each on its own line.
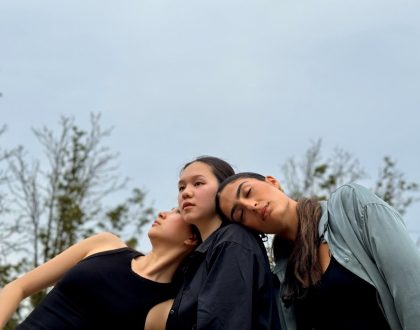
(100,292)
(341,300)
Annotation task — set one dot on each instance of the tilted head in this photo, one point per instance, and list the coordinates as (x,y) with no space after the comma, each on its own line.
(257,202)
(170,230)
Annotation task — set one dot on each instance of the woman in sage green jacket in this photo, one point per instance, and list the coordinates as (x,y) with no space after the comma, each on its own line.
(347,263)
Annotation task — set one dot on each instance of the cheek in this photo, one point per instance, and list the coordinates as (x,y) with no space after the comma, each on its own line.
(227,199)
(209,203)
(208,193)
(224,210)
(222,203)
(252,222)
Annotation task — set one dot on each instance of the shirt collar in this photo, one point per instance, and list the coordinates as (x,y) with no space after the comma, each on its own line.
(203,247)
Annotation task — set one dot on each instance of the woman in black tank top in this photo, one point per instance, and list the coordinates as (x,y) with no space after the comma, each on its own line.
(340,300)
(100,283)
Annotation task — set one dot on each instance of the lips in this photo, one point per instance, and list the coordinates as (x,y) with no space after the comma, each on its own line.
(264,212)
(187,205)
(156,223)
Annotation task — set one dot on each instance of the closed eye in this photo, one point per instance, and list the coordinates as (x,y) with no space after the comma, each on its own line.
(248,192)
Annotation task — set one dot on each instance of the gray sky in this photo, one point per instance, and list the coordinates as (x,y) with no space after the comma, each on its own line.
(252,82)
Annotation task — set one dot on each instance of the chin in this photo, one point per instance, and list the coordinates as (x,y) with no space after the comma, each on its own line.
(188,218)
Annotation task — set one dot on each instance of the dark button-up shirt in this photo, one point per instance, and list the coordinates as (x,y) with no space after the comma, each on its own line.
(227,285)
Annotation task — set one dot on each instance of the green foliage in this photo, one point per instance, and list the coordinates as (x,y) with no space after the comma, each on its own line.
(316,176)
(392,187)
(8,273)
(37,297)
(132,213)
(8,270)
(63,202)
(12,324)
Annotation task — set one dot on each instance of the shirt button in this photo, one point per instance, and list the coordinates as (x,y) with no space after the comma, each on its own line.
(346,259)
(171,311)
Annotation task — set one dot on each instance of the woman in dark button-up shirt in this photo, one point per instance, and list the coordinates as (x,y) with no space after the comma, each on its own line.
(227,281)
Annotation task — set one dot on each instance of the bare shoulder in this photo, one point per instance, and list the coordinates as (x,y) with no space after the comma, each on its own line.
(158,315)
(104,241)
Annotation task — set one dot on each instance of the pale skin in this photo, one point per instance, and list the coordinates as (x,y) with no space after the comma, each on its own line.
(264,207)
(157,316)
(171,239)
(197,189)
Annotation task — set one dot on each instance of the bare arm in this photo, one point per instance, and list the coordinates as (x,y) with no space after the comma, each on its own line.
(51,271)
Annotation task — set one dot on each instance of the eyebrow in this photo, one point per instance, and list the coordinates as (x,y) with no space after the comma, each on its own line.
(194,177)
(238,193)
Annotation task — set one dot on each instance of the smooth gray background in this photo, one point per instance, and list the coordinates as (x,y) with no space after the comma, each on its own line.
(252,82)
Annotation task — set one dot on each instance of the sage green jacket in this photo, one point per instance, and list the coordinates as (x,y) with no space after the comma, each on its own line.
(369,238)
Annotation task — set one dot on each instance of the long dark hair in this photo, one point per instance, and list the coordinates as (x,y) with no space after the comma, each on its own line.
(303,266)
(196,232)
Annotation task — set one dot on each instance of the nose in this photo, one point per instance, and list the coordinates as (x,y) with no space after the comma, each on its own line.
(186,193)
(249,204)
(162,215)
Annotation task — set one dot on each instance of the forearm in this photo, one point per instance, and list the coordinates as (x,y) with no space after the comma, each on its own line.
(398,262)
(10,297)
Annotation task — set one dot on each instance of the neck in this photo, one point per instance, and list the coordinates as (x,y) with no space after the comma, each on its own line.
(289,231)
(208,226)
(160,263)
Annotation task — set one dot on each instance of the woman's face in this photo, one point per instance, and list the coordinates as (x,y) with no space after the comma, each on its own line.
(259,205)
(170,227)
(197,189)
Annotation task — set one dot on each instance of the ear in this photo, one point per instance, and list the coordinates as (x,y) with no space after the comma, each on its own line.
(273,181)
(191,241)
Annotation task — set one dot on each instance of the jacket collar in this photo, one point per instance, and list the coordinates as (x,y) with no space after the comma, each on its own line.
(323,223)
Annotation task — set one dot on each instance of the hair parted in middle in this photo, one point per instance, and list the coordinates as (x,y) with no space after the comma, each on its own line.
(303,266)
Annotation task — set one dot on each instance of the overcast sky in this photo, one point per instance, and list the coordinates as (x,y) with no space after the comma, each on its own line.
(253,82)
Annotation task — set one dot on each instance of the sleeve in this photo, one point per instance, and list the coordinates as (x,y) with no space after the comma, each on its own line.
(397,259)
(228,297)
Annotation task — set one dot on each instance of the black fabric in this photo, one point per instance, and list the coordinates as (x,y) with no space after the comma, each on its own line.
(341,300)
(227,285)
(100,292)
